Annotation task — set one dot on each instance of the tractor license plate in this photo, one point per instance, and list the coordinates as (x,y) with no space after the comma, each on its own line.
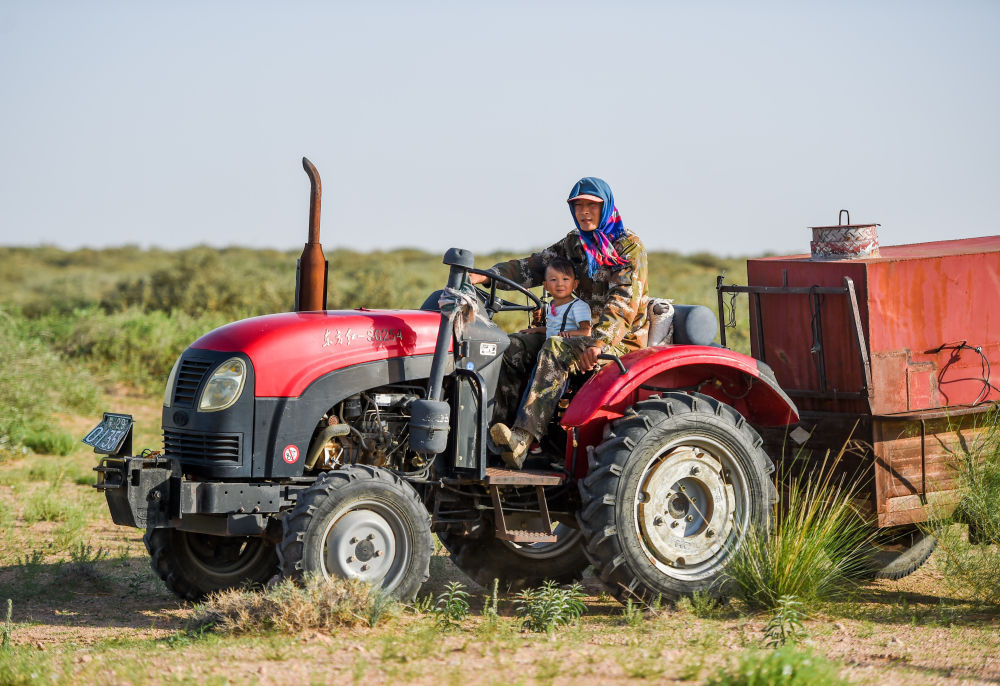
(108,436)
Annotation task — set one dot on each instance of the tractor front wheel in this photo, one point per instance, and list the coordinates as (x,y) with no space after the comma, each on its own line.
(192,565)
(359,522)
(672,493)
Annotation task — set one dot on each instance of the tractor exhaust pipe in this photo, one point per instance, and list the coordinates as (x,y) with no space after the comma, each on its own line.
(312,269)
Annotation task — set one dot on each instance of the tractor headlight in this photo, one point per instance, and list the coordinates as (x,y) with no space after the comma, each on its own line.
(224,386)
(168,393)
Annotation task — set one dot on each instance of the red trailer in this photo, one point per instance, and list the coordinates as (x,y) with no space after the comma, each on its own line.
(889,348)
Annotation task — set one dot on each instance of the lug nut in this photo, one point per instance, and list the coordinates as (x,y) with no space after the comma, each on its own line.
(354,539)
(695,470)
(371,537)
(689,518)
(709,533)
(658,521)
(350,558)
(364,568)
(379,553)
(673,524)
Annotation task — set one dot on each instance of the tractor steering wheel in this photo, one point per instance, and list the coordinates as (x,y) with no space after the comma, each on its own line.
(494,303)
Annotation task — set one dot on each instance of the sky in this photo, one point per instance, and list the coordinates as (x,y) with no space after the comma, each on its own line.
(725,127)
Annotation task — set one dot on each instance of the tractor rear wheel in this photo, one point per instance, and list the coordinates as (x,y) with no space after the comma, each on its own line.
(677,485)
(518,566)
(359,522)
(898,552)
(192,565)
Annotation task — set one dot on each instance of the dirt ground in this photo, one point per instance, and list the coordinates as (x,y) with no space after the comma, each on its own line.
(88,609)
(95,624)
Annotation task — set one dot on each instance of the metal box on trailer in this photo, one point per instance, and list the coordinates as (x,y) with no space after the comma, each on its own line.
(892,350)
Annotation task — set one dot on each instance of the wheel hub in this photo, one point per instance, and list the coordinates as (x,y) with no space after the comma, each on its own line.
(684,507)
(360,544)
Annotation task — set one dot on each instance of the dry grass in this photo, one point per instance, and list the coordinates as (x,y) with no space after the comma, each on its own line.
(316,605)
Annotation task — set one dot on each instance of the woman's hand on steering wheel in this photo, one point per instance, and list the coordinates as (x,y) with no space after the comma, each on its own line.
(495,303)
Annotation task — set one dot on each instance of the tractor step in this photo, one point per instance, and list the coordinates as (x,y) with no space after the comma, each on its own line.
(497,477)
(522,477)
(522,536)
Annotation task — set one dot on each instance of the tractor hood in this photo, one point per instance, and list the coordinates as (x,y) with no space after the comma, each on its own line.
(290,350)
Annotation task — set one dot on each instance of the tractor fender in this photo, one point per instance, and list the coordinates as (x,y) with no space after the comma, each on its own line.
(733,378)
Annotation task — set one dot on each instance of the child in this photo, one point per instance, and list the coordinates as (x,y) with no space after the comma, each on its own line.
(566,315)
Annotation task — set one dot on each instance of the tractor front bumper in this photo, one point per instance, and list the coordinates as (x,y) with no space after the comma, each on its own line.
(152,493)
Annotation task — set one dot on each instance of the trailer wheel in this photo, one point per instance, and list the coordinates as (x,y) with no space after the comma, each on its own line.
(192,565)
(518,565)
(898,552)
(672,492)
(359,522)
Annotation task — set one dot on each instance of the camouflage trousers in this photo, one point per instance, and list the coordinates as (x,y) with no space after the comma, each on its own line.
(533,377)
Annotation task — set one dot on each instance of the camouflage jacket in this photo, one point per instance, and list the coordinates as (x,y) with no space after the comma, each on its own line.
(618,297)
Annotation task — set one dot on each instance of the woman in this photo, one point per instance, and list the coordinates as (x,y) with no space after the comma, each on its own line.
(611,263)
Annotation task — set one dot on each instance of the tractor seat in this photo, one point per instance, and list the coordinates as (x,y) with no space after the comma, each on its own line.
(680,324)
(668,324)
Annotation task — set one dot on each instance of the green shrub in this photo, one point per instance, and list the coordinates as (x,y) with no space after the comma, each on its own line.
(785,666)
(86,554)
(701,604)
(202,280)
(452,605)
(132,346)
(545,608)
(785,625)
(971,564)
(36,382)
(816,549)
(491,610)
(50,442)
(380,605)
(44,507)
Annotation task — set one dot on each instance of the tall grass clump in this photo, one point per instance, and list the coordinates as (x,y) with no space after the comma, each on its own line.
(818,545)
(971,564)
(318,604)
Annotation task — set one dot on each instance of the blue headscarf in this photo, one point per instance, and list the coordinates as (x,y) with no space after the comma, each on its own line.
(599,243)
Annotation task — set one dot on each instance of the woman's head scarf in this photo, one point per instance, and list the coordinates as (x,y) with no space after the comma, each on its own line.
(599,243)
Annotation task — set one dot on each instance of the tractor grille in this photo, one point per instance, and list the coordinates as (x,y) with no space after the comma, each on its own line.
(202,447)
(189,378)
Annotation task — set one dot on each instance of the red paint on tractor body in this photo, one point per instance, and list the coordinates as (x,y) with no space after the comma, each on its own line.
(292,349)
(694,367)
(731,377)
(912,300)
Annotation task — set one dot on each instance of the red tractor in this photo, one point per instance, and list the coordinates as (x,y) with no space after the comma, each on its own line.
(337,442)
